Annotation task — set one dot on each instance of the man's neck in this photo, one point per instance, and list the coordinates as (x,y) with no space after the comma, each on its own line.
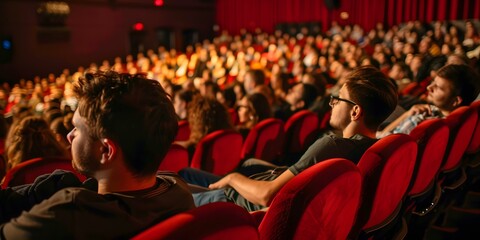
(352,130)
(124,184)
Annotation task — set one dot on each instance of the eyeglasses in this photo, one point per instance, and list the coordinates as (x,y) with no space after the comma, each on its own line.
(335,99)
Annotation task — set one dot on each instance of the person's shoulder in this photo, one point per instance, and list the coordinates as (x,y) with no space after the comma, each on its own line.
(66,200)
(72,194)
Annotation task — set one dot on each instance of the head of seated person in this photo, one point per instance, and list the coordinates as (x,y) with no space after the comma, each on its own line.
(206,115)
(253,109)
(32,138)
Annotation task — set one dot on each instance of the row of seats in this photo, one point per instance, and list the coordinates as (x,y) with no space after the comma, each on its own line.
(272,140)
(398,177)
(322,202)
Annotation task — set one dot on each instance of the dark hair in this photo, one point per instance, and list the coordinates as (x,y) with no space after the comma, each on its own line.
(464,79)
(258,76)
(58,127)
(185,95)
(374,92)
(260,106)
(309,94)
(133,111)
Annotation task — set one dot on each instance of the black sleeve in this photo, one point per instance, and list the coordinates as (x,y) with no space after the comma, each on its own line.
(14,200)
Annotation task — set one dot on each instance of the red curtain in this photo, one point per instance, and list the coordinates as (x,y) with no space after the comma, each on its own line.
(232,15)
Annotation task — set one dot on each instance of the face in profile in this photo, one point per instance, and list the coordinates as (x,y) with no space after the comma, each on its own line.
(86,151)
(244,111)
(440,93)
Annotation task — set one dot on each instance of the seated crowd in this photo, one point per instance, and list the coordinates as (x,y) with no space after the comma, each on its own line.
(120,125)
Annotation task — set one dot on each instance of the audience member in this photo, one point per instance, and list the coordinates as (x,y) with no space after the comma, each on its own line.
(453,86)
(252,109)
(205,115)
(300,97)
(31,138)
(364,101)
(124,126)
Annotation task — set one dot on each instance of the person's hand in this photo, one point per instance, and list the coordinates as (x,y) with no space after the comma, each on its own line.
(222,183)
(419,109)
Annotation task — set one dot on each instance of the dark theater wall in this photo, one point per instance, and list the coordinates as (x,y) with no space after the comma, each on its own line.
(95,30)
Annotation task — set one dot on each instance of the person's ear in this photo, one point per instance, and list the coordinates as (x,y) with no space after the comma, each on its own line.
(300,104)
(109,150)
(457,101)
(356,113)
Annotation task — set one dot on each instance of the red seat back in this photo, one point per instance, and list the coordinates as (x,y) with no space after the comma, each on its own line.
(387,168)
(461,122)
(183,133)
(214,221)
(218,152)
(319,203)
(325,121)
(175,160)
(300,131)
(432,138)
(264,140)
(233,115)
(474,145)
(28,171)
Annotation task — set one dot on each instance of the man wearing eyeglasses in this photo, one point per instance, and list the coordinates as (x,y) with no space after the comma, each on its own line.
(366,99)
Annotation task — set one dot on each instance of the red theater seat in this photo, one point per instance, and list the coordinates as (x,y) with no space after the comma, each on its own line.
(28,171)
(265,140)
(183,133)
(214,221)
(387,169)
(319,203)
(300,132)
(175,160)
(218,152)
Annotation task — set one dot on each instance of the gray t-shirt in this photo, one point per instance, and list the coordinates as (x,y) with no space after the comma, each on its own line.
(333,147)
(323,149)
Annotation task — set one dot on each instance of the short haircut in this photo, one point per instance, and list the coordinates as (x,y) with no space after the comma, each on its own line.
(309,95)
(185,95)
(374,92)
(258,76)
(133,111)
(464,79)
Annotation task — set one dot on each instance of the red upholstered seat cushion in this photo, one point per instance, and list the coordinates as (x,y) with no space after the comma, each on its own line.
(265,140)
(432,138)
(300,130)
(474,145)
(319,203)
(214,221)
(387,168)
(218,152)
(462,123)
(28,171)
(175,160)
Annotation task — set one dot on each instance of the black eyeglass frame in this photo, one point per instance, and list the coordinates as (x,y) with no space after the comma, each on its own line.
(337,98)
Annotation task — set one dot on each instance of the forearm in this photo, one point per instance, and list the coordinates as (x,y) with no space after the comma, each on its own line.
(395,123)
(257,192)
